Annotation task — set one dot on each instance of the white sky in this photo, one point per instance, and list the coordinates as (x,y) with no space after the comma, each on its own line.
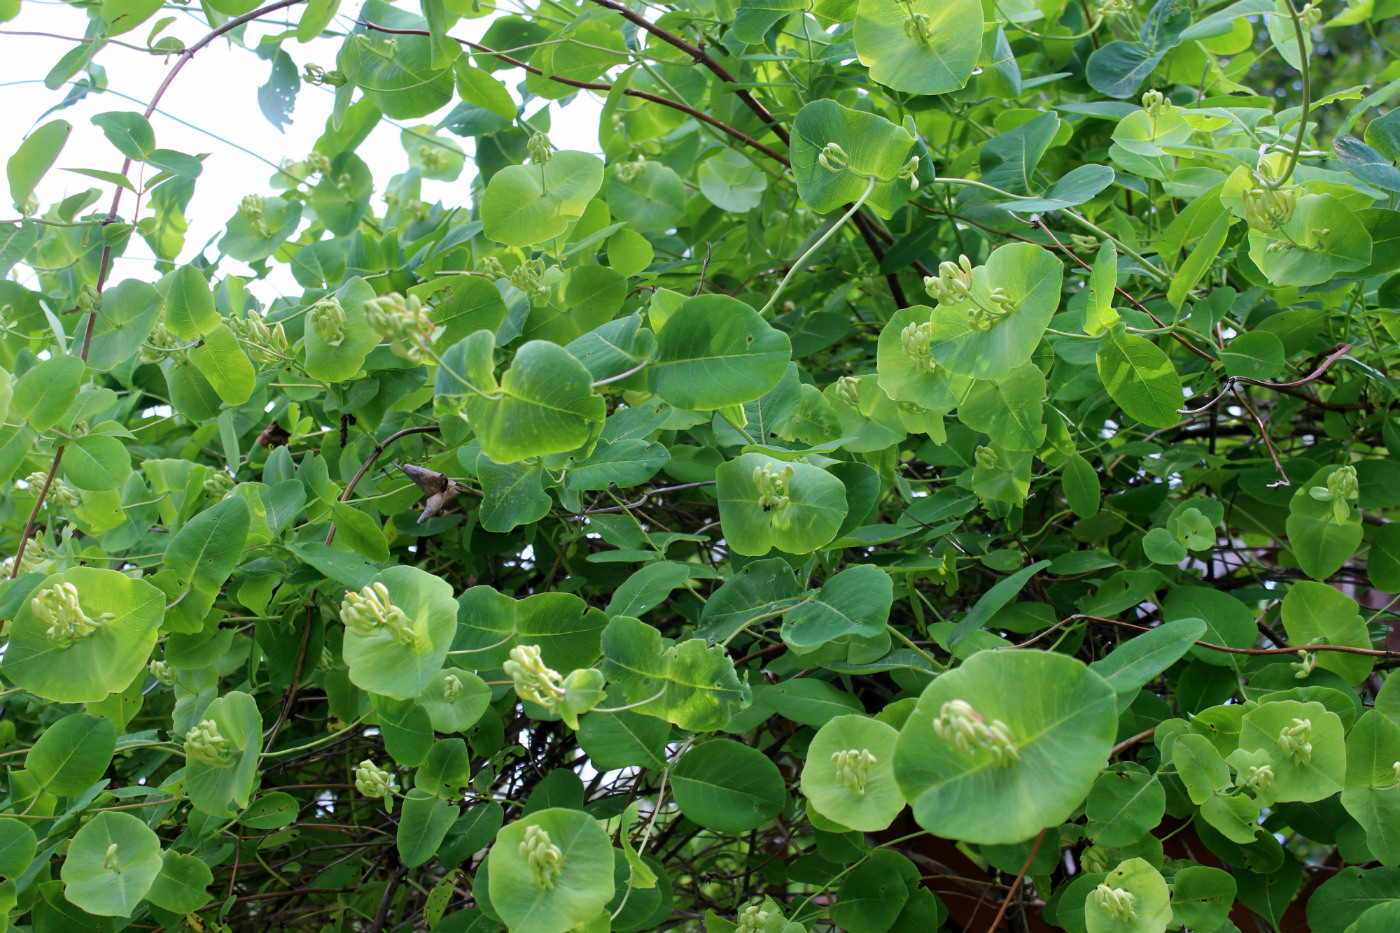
(215,92)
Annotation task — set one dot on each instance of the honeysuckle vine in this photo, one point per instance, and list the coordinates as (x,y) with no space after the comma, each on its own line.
(904,457)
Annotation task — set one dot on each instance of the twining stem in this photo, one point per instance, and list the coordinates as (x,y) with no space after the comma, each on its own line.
(369,462)
(1307,96)
(802,260)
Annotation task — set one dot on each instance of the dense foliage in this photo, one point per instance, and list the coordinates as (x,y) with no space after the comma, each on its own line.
(932,465)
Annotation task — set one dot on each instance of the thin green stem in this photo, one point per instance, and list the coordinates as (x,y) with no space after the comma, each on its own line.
(802,260)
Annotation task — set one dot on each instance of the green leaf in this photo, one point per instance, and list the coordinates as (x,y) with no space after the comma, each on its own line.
(72,753)
(1314,775)
(854,603)
(689,684)
(380,661)
(1150,901)
(991,602)
(108,881)
(869,803)
(182,886)
(130,132)
(731,181)
(874,148)
(1125,804)
(1201,897)
(528,204)
(872,895)
(1142,657)
(934,55)
(584,883)
(1371,795)
(1320,542)
(93,666)
(1314,613)
(44,393)
(125,318)
(1061,718)
(728,787)
(1321,240)
(543,405)
(1029,278)
(223,362)
(1141,379)
(97,462)
(204,552)
(714,351)
(17,847)
(223,790)
(340,361)
(423,825)
(754,523)
(189,304)
(1081,487)
(35,156)
(513,494)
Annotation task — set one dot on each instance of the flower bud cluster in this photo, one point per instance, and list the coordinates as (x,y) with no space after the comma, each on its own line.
(752,919)
(451,688)
(266,344)
(315,74)
(542,856)
(535,280)
(59,609)
(1342,486)
(631,171)
(328,320)
(206,745)
(60,493)
(833,158)
(161,345)
(918,27)
(371,609)
(407,323)
(1116,902)
(958,722)
(772,487)
(953,285)
(375,782)
(163,672)
(915,340)
(853,768)
(1293,741)
(253,207)
(534,681)
(540,148)
(1256,778)
(1156,103)
(847,389)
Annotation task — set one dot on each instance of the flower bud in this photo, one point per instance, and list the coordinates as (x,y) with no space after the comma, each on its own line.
(206,745)
(1116,902)
(375,782)
(853,768)
(59,609)
(371,609)
(328,320)
(542,856)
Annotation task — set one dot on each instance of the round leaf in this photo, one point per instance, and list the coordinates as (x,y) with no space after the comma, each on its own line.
(869,807)
(582,888)
(728,787)
(112,862)
(379,662)
(1062,719)
(102,663)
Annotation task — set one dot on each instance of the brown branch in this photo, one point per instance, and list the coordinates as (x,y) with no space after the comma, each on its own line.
(1345,649)
(369,462)
(600,87)
(106,263)
(1017,883)
(700,56)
